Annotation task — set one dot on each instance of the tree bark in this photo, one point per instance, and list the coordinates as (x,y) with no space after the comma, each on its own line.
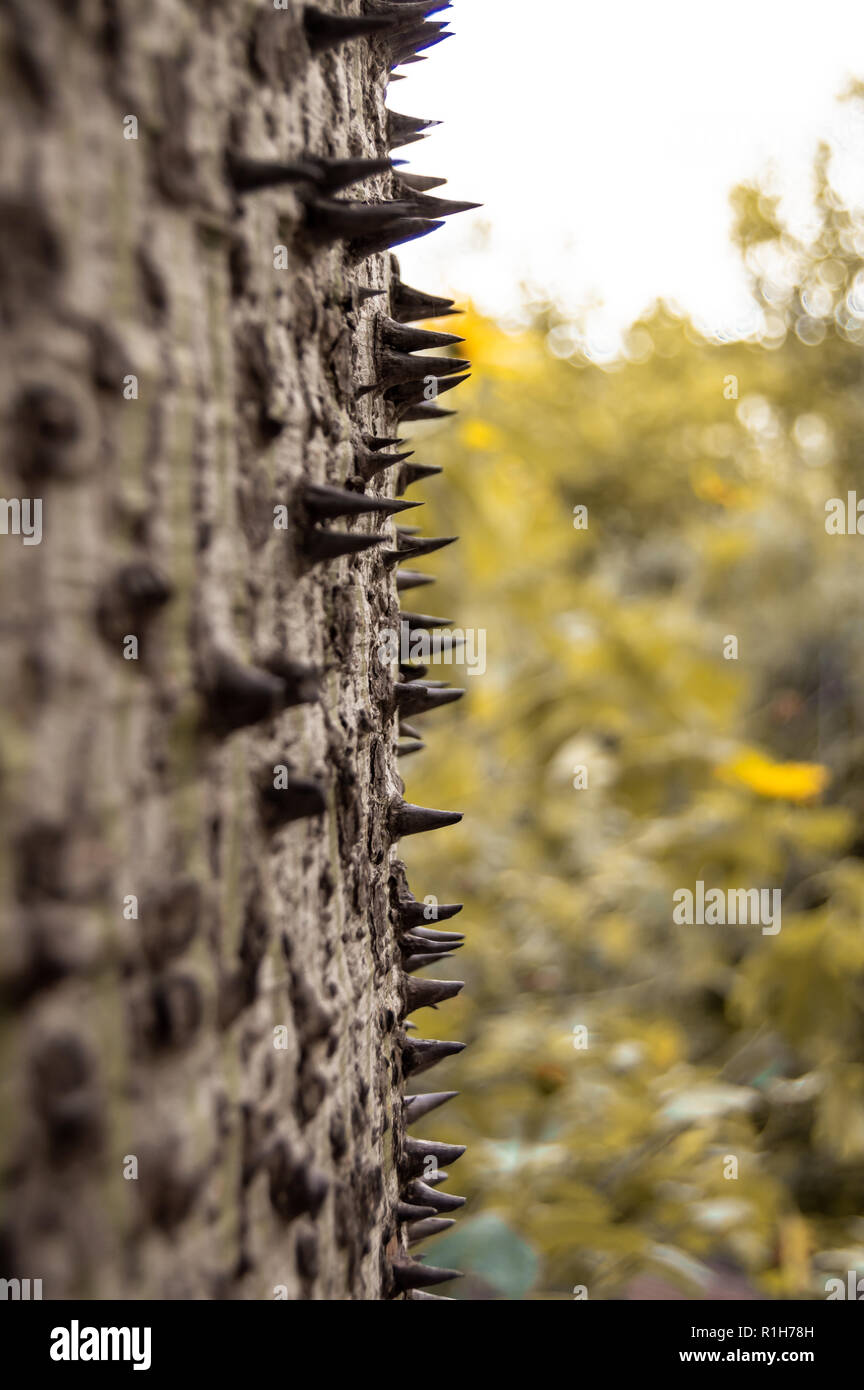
(201,1045)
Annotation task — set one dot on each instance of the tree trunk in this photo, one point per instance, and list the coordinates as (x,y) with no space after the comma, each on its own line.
(202,1046)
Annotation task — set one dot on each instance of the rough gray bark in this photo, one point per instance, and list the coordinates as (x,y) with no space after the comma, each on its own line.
(165,920)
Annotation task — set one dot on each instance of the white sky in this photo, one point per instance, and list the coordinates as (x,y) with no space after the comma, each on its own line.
(604,138)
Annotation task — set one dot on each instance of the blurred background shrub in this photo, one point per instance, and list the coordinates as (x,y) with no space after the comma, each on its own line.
(617,1060)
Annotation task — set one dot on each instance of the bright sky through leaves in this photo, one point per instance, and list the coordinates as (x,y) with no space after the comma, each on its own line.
(604,139)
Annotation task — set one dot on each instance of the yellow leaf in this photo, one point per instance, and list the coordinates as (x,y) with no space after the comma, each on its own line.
(782,781)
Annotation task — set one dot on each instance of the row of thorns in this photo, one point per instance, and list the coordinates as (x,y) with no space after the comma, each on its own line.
(408,381)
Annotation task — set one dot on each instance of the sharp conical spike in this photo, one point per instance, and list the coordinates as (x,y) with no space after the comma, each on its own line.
(300,798)
(449,938)
(420,183)
(412,38)
(407,12)
(377,441)
(435,1179)
(413,392)
(425,621)
(414,50)
(410,730)
(372,461)
(419,962)
(415,33)
(415,697)
(411,945)
(329,175)
(423,545)
(247,174)
(417,1152)
(330,545)
(335,174)
(404,750)
(323,501)
(402,338)
(426,1196)
(406,130)
(411,21)
(302,682)
(406,48)
(407,1211)
(415,1295)
(365,292)
(415,1107)
(409,304)
(407,819)
(238,695)
(417,473)
(412,913)
(424,994)
(412,579)
(407,1274)
(426,206)
(431,1226)
(329,219)
(419,1054)
(424,413)
(325,30)
(397,368)
(406,6)
(405,229)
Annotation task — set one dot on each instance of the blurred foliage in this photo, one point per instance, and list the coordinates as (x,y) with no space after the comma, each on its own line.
(705,468)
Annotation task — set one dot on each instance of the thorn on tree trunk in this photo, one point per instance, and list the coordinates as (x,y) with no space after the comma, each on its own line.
(407,819)
(419,1054)
(407,1274)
